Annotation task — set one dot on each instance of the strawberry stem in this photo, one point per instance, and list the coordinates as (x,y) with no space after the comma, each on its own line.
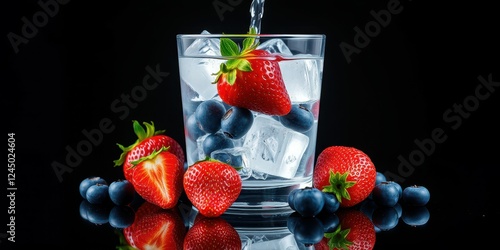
(339,185)
(150,156)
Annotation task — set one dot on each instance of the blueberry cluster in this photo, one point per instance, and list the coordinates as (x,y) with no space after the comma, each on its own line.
(389,202)
(105,203)
(310,201)
(222,124)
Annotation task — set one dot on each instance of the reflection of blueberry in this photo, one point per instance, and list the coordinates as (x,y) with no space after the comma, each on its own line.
(215,142)
(292,221)
(95,213)
(87,182)
(368,206)
(121,216)
(385,218)
(332,204)
(386,194)
(299,119)
(121,192)
(209,114)
(308,230)
(330,221)
(399,209)
(416,195)
(236,122)
(98,194)
(309,201)
(415,215)
(193,130)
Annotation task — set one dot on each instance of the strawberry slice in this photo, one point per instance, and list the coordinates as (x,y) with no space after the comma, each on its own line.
(156,228)
(253,79)
(157,178)
(148,140)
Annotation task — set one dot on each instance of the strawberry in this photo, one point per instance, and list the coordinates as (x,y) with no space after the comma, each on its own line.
(212,186)
(157,178)
(148,141)
(156,228)
(355,232)
(346,172)
(251,81)
(211,234)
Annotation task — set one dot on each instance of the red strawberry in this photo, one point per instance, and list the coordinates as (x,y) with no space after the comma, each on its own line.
(156,228)
(212,234)
(212,186)
(148,141)
(157,178)
(346,172)
(252,81)
(355,232)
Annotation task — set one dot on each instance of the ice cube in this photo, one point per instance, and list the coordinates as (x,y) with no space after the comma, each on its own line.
(274,149)
(197,71)
(302,78)
(274,46)
(287,242)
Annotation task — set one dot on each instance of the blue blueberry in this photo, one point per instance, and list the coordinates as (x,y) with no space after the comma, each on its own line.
(209,114)
(299,119)
(332,204)
(308,230)
(193,129)
(98,194)
(215,142)
(309,201)
(121,192)
(415,215)
(236,122)
(416,195)
(87,182)
(233,160)
(380,178)
(291,198)
(385,218)
(386,194)
(121,217)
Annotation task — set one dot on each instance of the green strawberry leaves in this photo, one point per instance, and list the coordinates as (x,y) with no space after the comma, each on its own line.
(339,185)
(229,48)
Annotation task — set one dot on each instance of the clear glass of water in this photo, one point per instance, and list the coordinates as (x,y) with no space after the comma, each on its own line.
(272,159)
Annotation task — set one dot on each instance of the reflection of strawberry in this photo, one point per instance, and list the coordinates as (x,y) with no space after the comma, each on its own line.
(147,141)
(346,172)
(156,228)
(211,234)
(212,186)
(157,178)
(355,232)
(252,82)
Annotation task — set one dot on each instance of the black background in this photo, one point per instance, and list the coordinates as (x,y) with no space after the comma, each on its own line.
(395,91)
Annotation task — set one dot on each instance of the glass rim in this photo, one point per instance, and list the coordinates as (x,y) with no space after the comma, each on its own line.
(303,36)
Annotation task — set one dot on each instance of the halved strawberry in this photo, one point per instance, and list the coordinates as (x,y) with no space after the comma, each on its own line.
(211,234)
(148,140)
(253,79)
(156,228)
(212,186)
(157,178)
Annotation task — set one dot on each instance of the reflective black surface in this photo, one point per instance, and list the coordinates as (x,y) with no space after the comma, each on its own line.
(419,96)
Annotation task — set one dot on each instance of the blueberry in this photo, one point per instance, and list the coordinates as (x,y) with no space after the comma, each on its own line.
(215,142)
(299,119)
(209,114)
(416,195)
(332,204)
(385,218)
(415,215)
(121,192)
(308,231)
(380,178)
(386,194)
(121,217)
(291,198)
(98,194)
(87,182)
(236,122)
(233,160)
(309,201)
(193,129)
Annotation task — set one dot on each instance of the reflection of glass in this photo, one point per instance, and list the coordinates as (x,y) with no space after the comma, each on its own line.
(275,157)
